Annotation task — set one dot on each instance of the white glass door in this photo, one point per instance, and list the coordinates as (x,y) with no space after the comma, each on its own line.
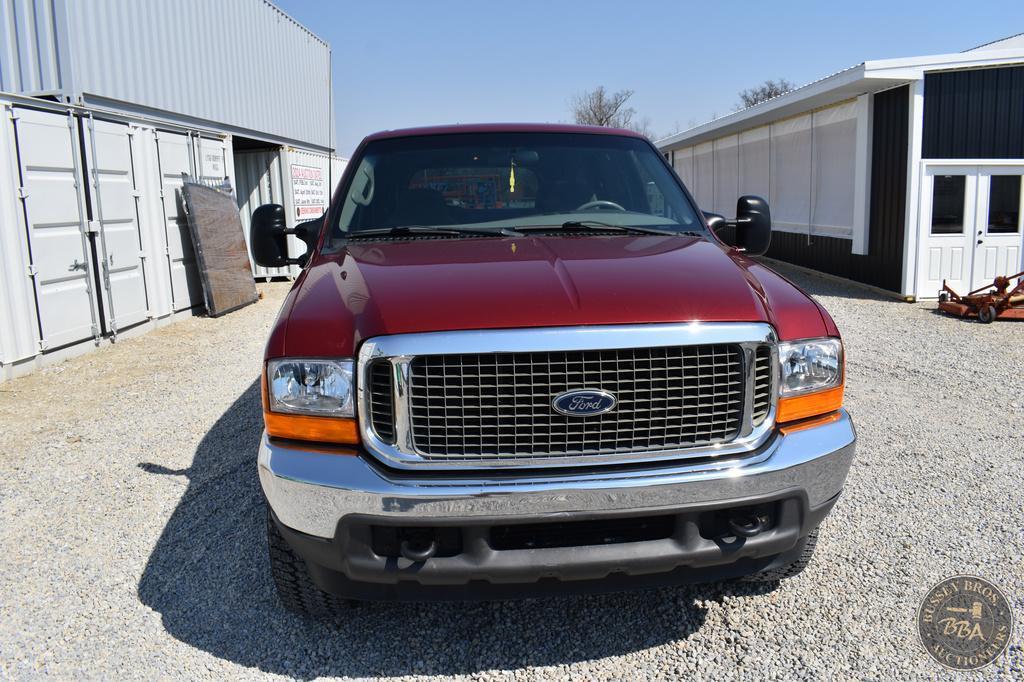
(947,228)
(997,248)
(971,226)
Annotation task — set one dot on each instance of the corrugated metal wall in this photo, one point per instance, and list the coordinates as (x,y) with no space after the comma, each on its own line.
(238,64)
(887,211)
(974,114)
(29,61)
(883,264)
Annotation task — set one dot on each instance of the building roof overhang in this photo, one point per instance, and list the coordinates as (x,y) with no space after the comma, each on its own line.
(867,77)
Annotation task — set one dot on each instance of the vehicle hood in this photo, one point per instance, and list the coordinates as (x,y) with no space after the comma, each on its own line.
(373,288)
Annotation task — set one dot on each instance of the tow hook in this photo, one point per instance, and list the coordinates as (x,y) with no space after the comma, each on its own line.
(417,551)
(748,525)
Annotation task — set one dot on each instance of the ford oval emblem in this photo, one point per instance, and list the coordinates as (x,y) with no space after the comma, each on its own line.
(585,402)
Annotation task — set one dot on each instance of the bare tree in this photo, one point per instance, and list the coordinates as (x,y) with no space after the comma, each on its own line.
(597,107)
(676,128)
(763,92)
(643,126)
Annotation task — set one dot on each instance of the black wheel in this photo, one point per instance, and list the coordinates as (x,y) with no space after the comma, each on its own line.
(943,297)
(987,314)
(789,570)
(295,588)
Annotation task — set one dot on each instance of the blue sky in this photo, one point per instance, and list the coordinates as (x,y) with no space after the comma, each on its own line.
(402,63)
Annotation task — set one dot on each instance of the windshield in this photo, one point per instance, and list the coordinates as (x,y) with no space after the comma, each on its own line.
(512,180)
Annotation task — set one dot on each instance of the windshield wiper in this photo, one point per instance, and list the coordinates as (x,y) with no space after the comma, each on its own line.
(402,230)
(605,227)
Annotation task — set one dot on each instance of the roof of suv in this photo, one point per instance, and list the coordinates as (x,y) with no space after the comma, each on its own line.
(501,128)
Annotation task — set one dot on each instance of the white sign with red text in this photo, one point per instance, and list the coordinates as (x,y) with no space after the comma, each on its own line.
(309,192)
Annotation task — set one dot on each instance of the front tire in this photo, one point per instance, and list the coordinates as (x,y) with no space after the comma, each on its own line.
(789,570)
(295,589)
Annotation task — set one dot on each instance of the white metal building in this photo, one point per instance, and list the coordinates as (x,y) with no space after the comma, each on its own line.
(104,104)
(898,173)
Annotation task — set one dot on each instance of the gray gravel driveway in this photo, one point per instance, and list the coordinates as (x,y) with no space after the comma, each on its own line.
(132,543)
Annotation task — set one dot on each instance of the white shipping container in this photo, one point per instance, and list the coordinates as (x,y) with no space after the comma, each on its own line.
(259,181)
(93,236)
(19,329)
(301,180)
(313,177)
(104,110)
(112,183)
(55,222)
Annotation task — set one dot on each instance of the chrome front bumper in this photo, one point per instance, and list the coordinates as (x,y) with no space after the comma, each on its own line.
(312,491)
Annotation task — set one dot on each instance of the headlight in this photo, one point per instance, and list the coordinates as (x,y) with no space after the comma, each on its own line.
(320,388)
(808,366)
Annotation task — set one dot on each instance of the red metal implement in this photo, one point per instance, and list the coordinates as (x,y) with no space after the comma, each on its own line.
(996,300)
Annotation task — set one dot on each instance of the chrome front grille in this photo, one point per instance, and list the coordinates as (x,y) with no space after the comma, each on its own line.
(382,414)
(483,399)
(762,401)
(489,405)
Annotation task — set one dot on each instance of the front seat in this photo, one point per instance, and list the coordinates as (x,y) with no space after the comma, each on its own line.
(564,194)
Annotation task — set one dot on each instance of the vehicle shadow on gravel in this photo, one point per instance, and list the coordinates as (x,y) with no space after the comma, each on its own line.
(817,285)
(209,579)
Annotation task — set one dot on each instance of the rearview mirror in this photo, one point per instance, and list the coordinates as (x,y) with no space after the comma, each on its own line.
(268,237)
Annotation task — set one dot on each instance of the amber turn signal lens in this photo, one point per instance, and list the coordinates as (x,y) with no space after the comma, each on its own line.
(319,429)
(809,423)
(810,405)
(304,427)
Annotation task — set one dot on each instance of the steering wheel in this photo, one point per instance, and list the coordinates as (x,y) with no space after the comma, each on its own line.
(602,204)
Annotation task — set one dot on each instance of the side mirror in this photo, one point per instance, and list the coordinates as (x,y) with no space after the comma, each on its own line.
(308,232)
(753,225)
(268,237)
(750,232)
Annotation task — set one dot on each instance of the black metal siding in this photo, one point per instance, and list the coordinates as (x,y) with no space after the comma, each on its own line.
(974,114)
(883,264)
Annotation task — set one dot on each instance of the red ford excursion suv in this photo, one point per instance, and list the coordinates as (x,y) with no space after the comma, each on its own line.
(520,360)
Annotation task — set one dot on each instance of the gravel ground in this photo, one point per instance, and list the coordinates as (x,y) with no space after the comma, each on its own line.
(132,544)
